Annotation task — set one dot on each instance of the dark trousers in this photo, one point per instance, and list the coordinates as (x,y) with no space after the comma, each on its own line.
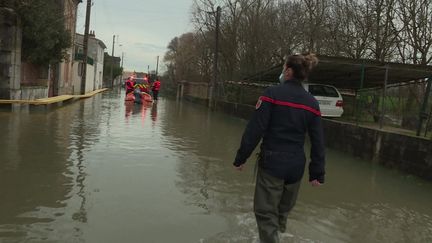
(155,94)
(272,202)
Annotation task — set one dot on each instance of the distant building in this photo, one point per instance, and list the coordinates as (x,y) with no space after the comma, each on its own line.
(95,63)
(127,74)
(115,63)
(140,74)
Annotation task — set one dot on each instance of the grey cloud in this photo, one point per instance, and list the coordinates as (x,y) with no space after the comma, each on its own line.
(149,46)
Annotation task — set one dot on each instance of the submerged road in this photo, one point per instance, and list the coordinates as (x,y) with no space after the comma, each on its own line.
(98,170)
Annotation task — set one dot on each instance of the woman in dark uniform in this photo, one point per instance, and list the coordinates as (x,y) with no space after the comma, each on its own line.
(283,116)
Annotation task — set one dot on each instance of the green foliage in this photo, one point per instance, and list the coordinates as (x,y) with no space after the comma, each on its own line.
(45,38)
(117,71)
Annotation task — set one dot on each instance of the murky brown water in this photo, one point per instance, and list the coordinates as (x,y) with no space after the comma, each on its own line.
(100,171)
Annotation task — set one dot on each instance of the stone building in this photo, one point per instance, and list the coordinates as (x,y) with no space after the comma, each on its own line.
(23,80)
(10,52)
(61,81)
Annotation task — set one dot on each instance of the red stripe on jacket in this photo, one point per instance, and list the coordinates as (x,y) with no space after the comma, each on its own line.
(290,104)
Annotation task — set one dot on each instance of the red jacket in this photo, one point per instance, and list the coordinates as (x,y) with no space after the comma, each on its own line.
(156,85)
(129,85)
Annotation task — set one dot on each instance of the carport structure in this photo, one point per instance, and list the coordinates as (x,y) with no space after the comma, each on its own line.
(360,74)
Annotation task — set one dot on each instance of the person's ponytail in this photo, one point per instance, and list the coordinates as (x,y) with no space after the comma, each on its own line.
(301,65)
(310,61)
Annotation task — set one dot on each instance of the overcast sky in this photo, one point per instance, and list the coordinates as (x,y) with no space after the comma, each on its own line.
(144,27)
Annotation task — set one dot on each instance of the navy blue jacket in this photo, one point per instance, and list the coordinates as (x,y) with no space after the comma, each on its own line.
(283,116)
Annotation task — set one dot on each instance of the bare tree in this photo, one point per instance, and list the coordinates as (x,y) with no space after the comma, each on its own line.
(288,37)
(183,59)
(256,34)
(316,22)
(255,42)
(383,35)
(349,29)
(416,31)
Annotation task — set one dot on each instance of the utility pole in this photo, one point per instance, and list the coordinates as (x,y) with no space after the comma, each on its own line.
(122,65)
(112,63)
(157,66)
(148,69)
(215,59)
(86,38)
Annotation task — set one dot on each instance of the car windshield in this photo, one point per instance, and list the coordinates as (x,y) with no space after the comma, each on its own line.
(322,90)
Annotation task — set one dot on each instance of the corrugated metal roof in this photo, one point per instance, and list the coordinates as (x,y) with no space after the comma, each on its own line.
(346,73)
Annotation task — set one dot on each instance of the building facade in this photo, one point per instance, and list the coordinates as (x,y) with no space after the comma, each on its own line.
(95,63)
(23,80)
(10,52)
(62,73)
(113,62)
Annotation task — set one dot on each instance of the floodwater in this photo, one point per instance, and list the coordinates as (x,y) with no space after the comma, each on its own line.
(98,170)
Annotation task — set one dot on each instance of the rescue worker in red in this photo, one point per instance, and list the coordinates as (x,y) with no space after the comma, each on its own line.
(283,116)
(155,88)
(130,85)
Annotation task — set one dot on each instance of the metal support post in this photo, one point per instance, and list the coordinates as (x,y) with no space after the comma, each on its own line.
(157,66)
(423,114)
(112,63)
(215,59)
(356,107)
(384,94)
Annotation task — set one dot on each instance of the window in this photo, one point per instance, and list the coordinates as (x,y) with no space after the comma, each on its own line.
(322,90)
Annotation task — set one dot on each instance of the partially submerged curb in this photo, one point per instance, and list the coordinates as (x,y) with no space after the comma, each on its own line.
(52,100)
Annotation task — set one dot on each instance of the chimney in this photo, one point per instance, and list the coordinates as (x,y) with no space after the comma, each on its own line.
(92,34)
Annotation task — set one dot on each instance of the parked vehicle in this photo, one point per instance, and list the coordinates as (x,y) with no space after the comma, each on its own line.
(329,99)
(140,81)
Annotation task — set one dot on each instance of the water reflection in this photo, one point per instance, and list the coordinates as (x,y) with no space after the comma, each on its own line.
(101,170)
(33,181)
(154,113)
(42,170)
(205,172)
(132,109)
(361,201)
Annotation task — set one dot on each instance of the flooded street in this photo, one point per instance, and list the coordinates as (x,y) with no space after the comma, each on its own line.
(98,170)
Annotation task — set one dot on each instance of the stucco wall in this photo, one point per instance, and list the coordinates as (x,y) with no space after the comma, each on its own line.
(95,51)
(77,78)
(34,92)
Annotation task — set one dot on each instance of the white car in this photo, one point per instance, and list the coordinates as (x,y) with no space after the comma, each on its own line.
(329,99)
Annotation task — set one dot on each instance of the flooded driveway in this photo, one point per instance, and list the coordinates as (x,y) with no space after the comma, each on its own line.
(98,170)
